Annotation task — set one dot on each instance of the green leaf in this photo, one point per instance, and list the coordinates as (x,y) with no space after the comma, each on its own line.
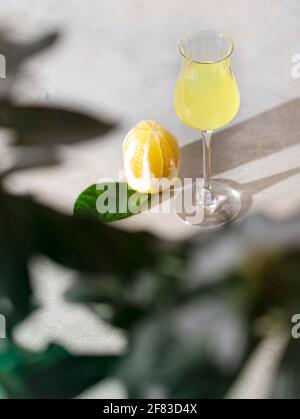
(50,125)
(124,201)
(51,374)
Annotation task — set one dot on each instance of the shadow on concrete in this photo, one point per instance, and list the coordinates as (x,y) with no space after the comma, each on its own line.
(258,137)
(248,190)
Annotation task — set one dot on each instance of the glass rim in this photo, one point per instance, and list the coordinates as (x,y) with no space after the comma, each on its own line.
(219,34)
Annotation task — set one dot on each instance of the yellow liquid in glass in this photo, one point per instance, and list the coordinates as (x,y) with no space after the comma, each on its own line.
(206,95)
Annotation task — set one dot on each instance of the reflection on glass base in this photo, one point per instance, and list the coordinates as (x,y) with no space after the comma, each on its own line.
(213,208)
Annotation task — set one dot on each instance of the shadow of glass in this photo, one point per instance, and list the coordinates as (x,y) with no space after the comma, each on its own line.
(258,137)
(248,190)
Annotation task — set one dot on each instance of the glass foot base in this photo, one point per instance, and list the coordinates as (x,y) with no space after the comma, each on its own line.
(211,208)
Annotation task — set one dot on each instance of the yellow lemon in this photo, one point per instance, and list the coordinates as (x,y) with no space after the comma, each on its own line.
(151,157)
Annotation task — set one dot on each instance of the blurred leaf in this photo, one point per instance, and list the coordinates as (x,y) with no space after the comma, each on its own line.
(79,242)
(130,299)
(119,193)
(195,350)
(191,337)
(15,288)
(120,294)
(51,374)
(287,380)
(48,125)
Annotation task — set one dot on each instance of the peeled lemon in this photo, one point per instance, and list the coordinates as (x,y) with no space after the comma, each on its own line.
(151,153)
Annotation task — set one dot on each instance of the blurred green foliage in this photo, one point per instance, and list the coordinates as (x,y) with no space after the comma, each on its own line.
(193,311)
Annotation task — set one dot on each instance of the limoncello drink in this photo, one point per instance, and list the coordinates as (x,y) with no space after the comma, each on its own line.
(206,95)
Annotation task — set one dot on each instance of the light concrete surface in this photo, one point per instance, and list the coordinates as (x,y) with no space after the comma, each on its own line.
(120,58)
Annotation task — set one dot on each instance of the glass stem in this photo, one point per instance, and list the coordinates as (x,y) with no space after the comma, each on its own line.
(206,141)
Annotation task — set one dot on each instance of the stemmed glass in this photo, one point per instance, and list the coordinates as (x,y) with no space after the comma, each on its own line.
(207,98)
